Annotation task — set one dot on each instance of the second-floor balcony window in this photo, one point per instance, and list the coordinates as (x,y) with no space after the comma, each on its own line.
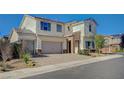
(59,28)
(45,26)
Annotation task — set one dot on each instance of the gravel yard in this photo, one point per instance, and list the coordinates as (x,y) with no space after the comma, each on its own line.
(46,59)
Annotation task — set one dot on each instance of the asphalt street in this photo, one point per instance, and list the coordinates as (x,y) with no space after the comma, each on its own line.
(109,69)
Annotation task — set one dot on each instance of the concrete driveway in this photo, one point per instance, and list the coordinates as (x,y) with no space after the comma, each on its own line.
(50,59)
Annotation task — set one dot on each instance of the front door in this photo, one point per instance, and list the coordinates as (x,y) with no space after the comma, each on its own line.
(69,46)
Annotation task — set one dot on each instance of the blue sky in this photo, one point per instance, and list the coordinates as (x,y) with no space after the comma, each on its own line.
(108,23)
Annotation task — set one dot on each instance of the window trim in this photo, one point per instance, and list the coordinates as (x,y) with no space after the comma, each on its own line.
(45,26)
(58,26)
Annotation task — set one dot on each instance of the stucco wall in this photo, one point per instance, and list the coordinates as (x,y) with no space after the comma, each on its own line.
(78,28)
(53,31)
(14,36)
(28,24)
(64,45)
(86,29)
(67,31)
(26,36)
(38,43)
(85,34)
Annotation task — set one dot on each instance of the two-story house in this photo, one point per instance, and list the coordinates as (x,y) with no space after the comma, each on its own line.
(112,43)
(50,36)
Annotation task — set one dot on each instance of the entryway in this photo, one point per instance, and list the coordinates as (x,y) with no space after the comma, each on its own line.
(69,46)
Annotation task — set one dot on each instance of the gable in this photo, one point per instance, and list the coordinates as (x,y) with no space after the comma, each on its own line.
(14,36)
(28,24)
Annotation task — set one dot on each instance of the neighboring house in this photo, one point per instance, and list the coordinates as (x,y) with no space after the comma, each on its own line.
(112,43)
(50,36)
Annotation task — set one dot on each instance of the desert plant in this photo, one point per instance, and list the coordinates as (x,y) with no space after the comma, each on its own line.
(120,50)
(6,52)
(84,52)
(26,58)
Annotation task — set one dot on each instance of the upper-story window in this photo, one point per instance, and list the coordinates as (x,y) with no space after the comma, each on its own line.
(45,26)
(59,28)
(90,28)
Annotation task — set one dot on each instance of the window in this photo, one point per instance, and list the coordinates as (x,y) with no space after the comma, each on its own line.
(45,26)
(87,44)
(89,28)
(59,28)
(93,45)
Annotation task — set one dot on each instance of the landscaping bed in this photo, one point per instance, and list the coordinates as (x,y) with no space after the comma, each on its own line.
(16,64)
(49,59)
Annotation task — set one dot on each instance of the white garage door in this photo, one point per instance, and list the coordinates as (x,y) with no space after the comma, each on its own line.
(51,47)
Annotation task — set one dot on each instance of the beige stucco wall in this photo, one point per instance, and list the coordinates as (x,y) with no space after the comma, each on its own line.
(68,32)
(14,36)
(53,31)
(86,29)
(26,36)
(79,27)
(53,39)
(64,44)
(28,24)
(38,43)
(85,35)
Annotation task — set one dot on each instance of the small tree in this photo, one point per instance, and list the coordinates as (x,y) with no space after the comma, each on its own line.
(99,42)
(6,52)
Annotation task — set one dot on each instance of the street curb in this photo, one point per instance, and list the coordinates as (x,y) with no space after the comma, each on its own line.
(27,72)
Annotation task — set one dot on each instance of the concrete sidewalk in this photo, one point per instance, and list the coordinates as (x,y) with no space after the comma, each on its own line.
(44,69)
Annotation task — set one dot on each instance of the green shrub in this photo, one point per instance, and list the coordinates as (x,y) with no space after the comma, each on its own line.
(84,52)
(121,50)
(26,58)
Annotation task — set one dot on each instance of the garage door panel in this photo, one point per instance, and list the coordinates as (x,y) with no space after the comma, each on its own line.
(51,47)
